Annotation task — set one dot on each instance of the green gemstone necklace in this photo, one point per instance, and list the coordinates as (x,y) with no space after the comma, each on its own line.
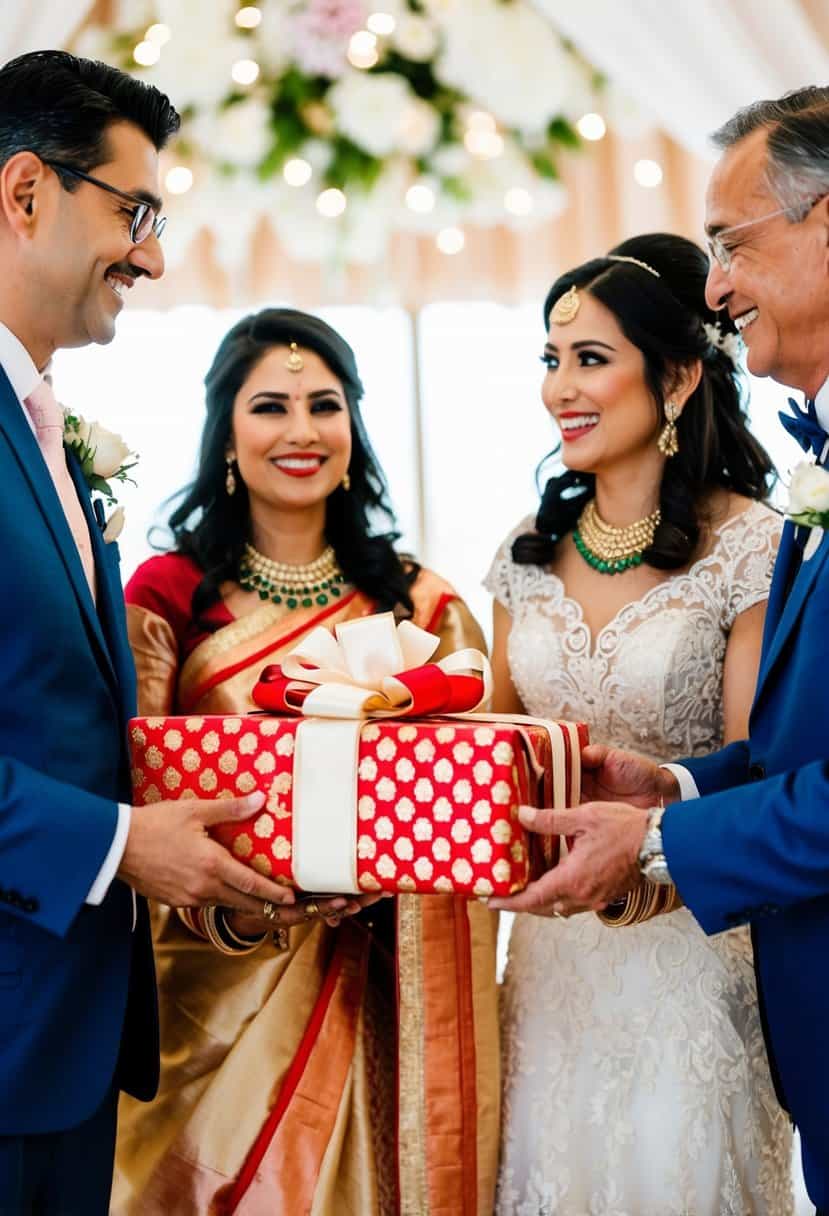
(609,549)
(318,582)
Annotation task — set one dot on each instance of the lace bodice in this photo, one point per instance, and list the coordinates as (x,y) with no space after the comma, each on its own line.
(651,680)
(635,1078)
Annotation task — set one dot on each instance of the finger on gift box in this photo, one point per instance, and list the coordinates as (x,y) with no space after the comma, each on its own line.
(212,812)
(551,823)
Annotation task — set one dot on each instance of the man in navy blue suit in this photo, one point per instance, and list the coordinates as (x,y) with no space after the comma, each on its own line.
(748,838)
(79,224)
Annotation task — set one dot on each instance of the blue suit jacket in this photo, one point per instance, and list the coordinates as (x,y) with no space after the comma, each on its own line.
(77,989)
(755,847)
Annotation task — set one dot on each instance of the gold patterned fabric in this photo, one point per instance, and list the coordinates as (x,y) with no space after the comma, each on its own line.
(353,1074)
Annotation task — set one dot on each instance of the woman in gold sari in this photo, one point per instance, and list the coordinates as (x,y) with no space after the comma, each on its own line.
(331,1058)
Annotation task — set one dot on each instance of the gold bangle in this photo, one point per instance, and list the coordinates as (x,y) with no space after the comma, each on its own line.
(246,944)
(191,918)
(215,937)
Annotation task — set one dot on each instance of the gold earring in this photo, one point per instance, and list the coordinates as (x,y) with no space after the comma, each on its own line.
(230,480)
(668,441)
(346,483)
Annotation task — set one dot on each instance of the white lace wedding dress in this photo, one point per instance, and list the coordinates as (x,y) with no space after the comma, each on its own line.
(636,1082)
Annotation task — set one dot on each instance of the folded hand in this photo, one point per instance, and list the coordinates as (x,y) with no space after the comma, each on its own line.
(611,775)
(601,865)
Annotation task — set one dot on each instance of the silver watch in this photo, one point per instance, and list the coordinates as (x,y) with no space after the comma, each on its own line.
(652,863)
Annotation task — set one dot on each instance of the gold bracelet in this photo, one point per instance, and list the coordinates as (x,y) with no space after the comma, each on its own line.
(214,936)
(246,945)
(645,901)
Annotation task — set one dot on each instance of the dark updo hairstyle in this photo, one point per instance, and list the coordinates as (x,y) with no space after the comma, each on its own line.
(212,527)
(664,318)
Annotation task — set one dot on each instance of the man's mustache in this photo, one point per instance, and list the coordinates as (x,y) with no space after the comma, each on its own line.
(127,270)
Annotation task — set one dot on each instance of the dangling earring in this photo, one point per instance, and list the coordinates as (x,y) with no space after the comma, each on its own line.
(346,483)
(668,442)
(230,480)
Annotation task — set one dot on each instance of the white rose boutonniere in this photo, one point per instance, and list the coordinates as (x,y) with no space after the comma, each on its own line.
(809,503)
(104,457)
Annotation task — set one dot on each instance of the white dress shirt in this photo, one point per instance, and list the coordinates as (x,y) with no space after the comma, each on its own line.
(687,785)
(24,378)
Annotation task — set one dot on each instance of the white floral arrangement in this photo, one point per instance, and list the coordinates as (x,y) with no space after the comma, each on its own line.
(730,344)
(429,113)
(103,457)
(809,496)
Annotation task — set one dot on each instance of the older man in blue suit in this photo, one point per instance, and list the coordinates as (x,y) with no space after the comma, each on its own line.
(750,839)
(79,224)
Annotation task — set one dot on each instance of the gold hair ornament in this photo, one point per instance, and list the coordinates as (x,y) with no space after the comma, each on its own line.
(566,307)
(294,362)
(621,257)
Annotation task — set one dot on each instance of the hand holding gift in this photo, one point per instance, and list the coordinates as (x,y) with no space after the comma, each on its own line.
(364,794)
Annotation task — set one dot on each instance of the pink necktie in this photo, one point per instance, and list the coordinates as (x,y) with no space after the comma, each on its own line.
(47,416)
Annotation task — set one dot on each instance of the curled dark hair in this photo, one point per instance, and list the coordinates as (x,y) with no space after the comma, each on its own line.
(60,107)
(212,528)
(664,317)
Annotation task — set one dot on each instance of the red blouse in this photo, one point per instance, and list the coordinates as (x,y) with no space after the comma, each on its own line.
(165,585)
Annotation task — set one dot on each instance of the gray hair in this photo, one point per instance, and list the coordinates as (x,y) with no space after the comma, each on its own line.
(797,161)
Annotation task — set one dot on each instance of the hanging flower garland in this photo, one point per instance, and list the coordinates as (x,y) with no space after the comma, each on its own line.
(343,120)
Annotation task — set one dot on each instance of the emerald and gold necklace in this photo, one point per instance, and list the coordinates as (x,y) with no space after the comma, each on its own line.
(609,549)
(318,582)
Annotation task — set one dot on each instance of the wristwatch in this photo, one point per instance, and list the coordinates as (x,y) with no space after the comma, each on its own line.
(652,863)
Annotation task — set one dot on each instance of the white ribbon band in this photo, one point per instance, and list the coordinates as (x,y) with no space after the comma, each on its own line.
(326,761)
(325,805)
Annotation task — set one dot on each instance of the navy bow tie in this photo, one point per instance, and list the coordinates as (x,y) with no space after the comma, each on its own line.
(804,427)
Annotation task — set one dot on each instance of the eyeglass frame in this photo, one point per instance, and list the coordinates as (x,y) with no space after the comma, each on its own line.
(142,207)
(721,253)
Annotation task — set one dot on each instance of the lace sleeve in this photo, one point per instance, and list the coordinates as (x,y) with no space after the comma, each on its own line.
(752,549)
(501,576)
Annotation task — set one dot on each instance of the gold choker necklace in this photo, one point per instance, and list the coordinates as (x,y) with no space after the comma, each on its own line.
(611,550)
(318,582)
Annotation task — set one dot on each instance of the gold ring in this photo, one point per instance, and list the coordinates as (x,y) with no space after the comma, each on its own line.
(311,910)
(270,912)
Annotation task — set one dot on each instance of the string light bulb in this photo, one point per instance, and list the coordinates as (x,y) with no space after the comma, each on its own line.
(450,240)
(420,198)
(331,203)
(159,34)
(249,17)
(518,201)
(245,71)
(382,24)
(362,49)
(296,171)
(591,126)
(179,179)
(648,173)
(146,54)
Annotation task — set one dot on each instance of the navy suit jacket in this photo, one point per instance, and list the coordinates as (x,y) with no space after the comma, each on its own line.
(77,988)
(755,847)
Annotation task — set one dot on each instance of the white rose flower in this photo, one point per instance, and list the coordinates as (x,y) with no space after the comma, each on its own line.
(114,526)
(237,135)
(109,451)
(473,60)
(371,110)
(420,128)
(809,490)
(415,37)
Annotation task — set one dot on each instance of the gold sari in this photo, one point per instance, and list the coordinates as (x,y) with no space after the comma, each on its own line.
(355,1073)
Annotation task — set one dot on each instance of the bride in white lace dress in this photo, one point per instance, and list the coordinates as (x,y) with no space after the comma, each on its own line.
(635,1078)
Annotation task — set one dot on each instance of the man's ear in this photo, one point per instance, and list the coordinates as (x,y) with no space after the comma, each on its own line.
(23,181)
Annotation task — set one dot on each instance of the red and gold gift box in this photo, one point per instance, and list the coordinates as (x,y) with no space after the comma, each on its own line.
(424,805)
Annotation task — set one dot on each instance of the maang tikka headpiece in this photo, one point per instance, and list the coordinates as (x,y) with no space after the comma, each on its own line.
(294,362)
(566,307)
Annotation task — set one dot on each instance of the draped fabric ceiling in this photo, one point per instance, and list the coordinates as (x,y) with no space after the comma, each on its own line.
(689,66)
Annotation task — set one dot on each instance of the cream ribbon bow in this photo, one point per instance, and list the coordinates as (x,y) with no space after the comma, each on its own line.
(356,673)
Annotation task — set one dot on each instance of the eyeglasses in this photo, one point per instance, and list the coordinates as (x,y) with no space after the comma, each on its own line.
(145,217)
(721,248)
